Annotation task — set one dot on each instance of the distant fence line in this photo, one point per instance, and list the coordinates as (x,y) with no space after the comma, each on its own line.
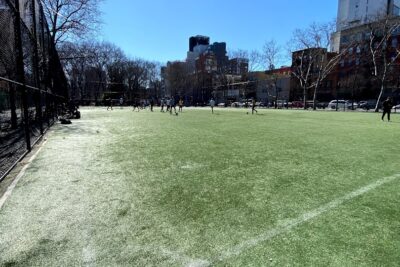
(33,85)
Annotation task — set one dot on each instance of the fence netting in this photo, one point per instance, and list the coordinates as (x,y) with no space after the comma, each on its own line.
(33,85)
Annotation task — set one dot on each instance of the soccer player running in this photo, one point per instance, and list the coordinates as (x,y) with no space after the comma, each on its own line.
(212,105)
(162,104)
(168,104)
(180,103)
(387,108)
(172,105)
(151,104)
(136,104)
(253,106)
(109,104)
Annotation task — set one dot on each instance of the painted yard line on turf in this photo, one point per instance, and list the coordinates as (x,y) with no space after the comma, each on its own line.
(11,188)
(173,255)
(290,224)
(88,252)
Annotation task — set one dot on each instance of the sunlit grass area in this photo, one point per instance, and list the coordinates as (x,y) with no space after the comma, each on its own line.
(127,188)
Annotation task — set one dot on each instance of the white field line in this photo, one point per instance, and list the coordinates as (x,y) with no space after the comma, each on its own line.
(10,189)
(175,256)
(89,256)
(88,252)
(290,224)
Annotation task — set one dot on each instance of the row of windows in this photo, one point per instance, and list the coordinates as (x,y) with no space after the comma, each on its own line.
(394,43)
(359,37)
(349,62)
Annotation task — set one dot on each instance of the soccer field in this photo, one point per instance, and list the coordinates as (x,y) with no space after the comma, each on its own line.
(281,188)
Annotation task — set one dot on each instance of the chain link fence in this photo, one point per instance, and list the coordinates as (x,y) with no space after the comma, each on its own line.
(33,86)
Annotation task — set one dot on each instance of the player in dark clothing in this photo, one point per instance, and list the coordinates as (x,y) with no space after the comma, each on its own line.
(109,104)
(136,105)
(151,105)
(253,106)
(162,104)
(172,105)
(387,108)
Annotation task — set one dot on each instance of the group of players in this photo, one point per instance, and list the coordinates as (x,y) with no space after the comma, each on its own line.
(169,104)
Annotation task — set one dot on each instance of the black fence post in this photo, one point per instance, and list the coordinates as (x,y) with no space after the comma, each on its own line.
(21,73)
(13,106)
(34,40)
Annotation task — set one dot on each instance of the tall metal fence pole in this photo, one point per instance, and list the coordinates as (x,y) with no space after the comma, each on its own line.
(20,72)
(13,106)
(38,96)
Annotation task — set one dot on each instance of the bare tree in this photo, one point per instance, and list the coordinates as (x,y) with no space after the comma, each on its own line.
(71,18)
(382,54)
(254,57)
(312,61)
(271,56)
(76,61)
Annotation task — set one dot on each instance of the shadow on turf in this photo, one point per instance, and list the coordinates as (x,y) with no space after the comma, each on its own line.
(257,114)
(74,128)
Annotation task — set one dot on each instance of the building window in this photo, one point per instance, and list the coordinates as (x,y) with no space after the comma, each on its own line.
(350,62)
(394,42)
(396,11)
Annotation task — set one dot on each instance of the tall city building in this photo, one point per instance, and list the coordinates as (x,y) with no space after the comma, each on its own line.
(353,13)
(219,51)
(197,45)
(198,40)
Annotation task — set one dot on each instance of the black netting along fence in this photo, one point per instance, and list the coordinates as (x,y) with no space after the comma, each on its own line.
(33,86)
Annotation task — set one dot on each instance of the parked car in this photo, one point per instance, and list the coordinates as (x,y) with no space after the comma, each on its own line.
(341,104)
(367,104)
(297,104)
(237,104)
(282,104)
(221,105)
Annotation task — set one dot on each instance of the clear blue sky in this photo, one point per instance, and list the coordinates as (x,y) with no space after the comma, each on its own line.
(159,30)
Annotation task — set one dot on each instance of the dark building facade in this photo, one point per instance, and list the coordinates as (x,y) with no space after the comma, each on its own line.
(219,51)
(327,89)
(355,69)
(198,40)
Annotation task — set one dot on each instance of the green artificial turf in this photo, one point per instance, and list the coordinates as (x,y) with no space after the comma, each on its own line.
(127,188)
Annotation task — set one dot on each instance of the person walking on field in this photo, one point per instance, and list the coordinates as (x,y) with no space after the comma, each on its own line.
(172,105)
(387,108)
(109,104)
(180,103)
(253,106)
(168,104)
(136,105)
(151,104)
(162,104)
(212,105)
